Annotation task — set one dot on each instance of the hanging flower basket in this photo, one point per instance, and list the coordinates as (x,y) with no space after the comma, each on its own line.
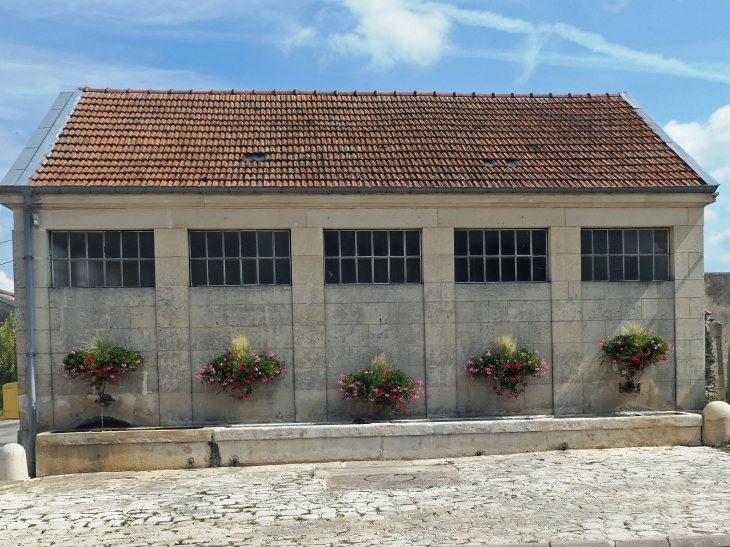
(387,389)
(508,366)
(242,370)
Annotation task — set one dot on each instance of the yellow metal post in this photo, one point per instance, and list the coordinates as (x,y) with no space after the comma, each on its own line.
(10,401)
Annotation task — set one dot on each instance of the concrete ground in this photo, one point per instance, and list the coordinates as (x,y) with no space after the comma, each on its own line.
(550,496)
(9,431)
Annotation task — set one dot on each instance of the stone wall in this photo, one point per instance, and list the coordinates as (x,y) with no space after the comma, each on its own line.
(321,331)
(717,300)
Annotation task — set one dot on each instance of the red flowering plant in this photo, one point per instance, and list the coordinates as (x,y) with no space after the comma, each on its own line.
(242,370)
(508,366)
(636,349)
(387,389)
(98,363)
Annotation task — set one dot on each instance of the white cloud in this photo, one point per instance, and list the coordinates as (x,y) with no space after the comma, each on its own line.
(710,214)
(391,31)
(614,6)
(299,36)
(6,283)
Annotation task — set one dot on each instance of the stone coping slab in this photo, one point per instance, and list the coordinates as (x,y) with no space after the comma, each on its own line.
(685,541)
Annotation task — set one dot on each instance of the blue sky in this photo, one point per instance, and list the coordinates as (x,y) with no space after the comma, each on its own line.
(672,56)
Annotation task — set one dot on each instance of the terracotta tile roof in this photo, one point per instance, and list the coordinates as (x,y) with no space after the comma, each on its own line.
(335,139)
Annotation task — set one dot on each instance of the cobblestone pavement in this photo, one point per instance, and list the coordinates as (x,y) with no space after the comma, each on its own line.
(573,495)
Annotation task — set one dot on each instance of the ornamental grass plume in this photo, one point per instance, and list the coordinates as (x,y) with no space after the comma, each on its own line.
(379,364)
(96,346)
(635,331)
(506,347)
(240,349)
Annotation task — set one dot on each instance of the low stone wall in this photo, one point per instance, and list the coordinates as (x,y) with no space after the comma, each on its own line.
(150,449)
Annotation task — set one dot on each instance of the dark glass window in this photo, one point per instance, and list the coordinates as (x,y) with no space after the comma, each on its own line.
(625,254)
(103,259)
(250,257)
(493,256)
(372,256)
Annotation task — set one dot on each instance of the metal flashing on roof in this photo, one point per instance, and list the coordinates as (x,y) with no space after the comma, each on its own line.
(681,152)
(40,144)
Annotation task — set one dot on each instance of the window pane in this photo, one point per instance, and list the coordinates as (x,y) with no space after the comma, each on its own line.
(586,242)
(397,247)
(197,244)
(631,268)
(233,270)
(248,272)
(146,273)
(96,244)
(347,243)
(661,241)
(113,273)
(130,273)
(508,269)
(332,271)
(646,267)
(215,272)
(631,242)
(78,245)
(96,273)
(331,244)
(79,273)
(491,242)
(413,243)
(523,244)
(60,273)
(461,270)
(600,242)
(646,242)
(460,242)
(380,243)
(615,268)
(661,268)
(600,267)
(524,269)
(349,271)
(413,270)
(364,244)
(364,270)
(266,245)
(146,244)
(231,246)
(492,270)
(381,270)
(476,242)
(283,271)
(130,245)
(539,269)
(539,242)
(215,244)
(59,244)
(198,272)
(281,243)
(112,245)
(266,270)
(248,244)
(476,270)
(615,242)
(508,243)
(586,268)
(397,270)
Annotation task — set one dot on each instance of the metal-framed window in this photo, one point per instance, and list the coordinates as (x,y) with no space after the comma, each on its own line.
(103,259)
(248,257)
(494,256)
(624,254)
(372,256)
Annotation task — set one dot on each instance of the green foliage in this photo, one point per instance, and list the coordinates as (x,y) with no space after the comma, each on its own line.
(636,348)
(241,371)
(8,359)
(98,363)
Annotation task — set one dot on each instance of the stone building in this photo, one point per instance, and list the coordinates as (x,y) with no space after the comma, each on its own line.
(329,227)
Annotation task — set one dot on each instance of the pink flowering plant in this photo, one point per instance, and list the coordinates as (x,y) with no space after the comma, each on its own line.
(508,366)
(242,370)
(98,363)
(636,349)
(389,390)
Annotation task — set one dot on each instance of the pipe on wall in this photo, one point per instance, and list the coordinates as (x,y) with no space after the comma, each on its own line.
(30,327)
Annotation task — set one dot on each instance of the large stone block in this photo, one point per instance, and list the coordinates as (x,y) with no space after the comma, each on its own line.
(307,242)
(307,269)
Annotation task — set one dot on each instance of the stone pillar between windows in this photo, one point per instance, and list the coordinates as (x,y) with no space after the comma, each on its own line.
(439,318)
(309,367)
(173,325)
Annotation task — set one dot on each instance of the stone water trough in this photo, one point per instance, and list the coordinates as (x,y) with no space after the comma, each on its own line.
(145,449)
